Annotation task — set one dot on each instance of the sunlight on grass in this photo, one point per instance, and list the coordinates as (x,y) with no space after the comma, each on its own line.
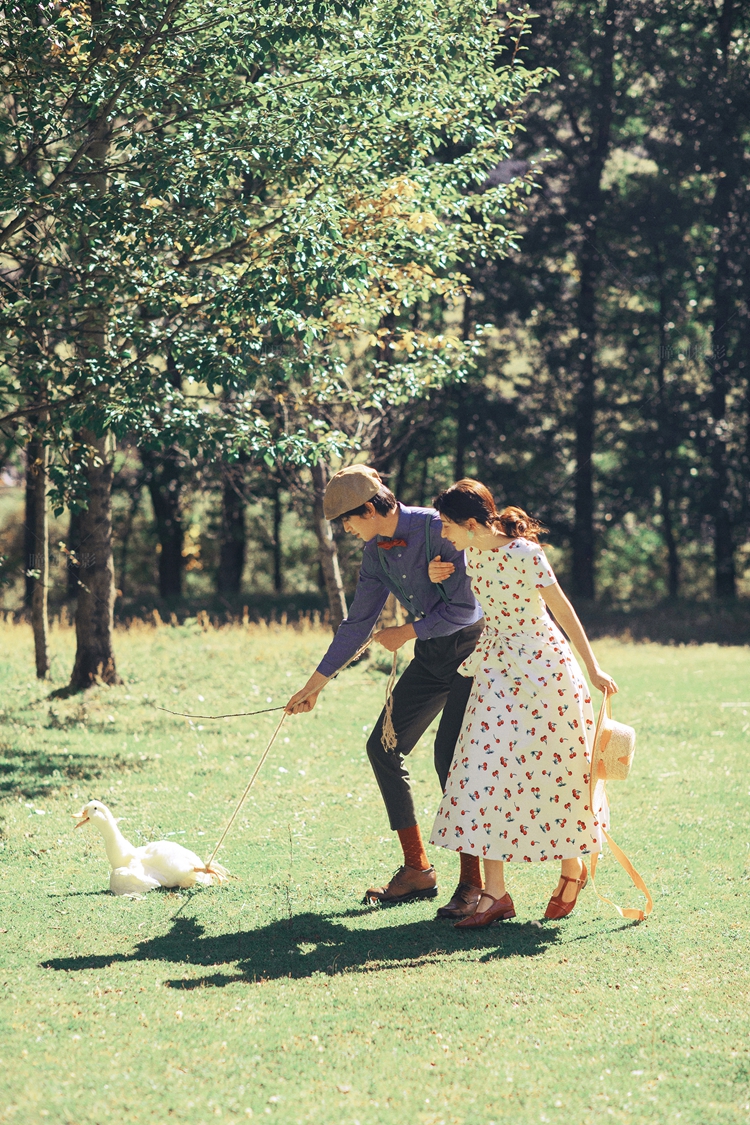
(279,995)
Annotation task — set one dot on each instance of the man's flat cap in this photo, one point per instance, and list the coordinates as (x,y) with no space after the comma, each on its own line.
(350,488)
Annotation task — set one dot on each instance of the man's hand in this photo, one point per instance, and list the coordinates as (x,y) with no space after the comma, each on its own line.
(439,570)
(394,637)
(304,700)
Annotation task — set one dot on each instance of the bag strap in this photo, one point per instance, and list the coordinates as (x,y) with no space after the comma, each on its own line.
(628,911)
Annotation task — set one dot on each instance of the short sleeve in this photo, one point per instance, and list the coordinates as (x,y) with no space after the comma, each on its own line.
(539,570)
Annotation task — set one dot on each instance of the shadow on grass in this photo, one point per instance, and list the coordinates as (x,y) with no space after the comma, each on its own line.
(308,944)
(31,773)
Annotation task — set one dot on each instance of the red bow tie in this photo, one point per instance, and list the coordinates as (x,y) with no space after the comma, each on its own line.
(386,544)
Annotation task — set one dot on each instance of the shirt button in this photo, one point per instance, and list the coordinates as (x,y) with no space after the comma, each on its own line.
(403,576)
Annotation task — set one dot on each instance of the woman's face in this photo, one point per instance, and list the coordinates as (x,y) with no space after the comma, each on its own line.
(456,533)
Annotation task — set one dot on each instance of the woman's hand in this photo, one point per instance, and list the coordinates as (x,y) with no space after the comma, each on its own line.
(602,681)
(439,570)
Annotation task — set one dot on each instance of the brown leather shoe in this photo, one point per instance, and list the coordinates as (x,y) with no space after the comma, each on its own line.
(463,904)
(557,907)
(501,910)
(406,885)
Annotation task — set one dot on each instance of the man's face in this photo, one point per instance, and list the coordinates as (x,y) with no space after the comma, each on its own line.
(361,526)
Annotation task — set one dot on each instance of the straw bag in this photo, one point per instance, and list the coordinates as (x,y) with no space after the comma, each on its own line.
(611,759)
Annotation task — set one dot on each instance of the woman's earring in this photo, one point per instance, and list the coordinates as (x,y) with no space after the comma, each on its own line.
(469,534)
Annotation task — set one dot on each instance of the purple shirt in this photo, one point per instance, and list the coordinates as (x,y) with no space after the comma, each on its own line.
(403,571)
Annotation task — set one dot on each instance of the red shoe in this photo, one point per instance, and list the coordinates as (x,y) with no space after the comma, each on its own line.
(500,911)
(556,908)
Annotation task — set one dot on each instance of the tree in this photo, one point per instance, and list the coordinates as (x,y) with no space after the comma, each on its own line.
(177,195)
(95,659)
(165,478)
(699,55)
(577,124)
(232,539)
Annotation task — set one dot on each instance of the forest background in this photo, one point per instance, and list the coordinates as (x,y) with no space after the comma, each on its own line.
(515,248)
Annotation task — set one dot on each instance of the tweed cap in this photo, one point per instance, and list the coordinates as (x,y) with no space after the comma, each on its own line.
(350,488)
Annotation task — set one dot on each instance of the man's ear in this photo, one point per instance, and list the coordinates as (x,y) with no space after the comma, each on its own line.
(369,510)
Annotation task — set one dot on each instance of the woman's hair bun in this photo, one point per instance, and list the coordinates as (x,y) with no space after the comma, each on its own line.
(517,524)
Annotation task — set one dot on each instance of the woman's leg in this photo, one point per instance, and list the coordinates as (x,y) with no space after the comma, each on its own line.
(494,883)
(569,869)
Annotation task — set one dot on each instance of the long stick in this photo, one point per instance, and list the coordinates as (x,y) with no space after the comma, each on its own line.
(233,715)
(264,755)
(249,786)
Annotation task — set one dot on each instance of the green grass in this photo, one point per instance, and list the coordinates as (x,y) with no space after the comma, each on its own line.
(280,997)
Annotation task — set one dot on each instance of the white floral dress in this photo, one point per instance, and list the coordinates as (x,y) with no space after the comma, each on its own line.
(518,787)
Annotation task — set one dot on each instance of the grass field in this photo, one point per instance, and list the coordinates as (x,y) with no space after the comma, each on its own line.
(280,997)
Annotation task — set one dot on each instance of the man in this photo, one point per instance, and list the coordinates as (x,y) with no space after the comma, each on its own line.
(399,545)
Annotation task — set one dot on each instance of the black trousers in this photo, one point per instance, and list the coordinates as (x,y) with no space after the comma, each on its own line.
(428,686)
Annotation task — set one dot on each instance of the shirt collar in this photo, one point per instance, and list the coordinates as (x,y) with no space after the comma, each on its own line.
(404,522)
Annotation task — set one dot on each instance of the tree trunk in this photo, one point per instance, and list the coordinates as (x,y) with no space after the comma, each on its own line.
(29,523)
(664,446)
(423,480)
(673,558)
(327,553)
(278,573)
(723,311)
(233,541)
(73,570)
(95,660)
(39,617)
(401,477)
(727,209)
(127,532)
(462,433)
(462,392)
(589,268)
(165,488)
(583,525)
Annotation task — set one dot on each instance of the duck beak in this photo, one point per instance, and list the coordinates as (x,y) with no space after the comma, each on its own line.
(85,820)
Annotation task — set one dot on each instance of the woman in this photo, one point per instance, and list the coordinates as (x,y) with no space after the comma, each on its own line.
(518,785)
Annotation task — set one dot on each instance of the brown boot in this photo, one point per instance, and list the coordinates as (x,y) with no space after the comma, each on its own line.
(405,886)
(463,904)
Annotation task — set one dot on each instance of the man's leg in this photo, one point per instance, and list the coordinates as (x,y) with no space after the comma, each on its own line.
(417,698)
(466,895)
(451,722)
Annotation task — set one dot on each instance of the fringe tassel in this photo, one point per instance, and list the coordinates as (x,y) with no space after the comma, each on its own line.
(388,738)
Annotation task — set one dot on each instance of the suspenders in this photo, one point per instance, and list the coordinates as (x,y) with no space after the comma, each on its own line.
(428,553)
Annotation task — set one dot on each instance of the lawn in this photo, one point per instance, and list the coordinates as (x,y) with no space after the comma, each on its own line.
(280,996)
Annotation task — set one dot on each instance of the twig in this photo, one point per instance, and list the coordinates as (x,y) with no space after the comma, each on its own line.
(233,715)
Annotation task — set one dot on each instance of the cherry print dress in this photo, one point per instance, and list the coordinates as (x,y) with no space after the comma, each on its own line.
(518,785)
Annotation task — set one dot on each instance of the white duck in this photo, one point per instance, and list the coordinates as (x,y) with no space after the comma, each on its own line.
(137,870)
